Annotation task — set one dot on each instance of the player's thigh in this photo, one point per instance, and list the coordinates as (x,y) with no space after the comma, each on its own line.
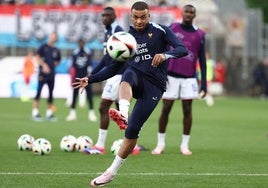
(111,88)
(173,88)
(189,89)
(146,104)
(142,110)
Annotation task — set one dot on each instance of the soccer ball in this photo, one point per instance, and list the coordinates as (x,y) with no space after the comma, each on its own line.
(41,146)
(116,146)
(83,143)
(25,142)
(121,46)
(68,143)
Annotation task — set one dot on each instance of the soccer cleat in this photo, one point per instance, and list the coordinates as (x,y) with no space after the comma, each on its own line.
(136,150)
(92,116)
(91,151)
(52,118)
(37,118)
(120,120)
(185,151)
(101,149)
(158,150)
(71,117)
(102,180)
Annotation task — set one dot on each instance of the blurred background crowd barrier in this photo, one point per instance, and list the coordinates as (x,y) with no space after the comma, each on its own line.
(236,37)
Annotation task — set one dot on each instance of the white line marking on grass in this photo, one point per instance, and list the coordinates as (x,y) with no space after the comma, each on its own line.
(130,174)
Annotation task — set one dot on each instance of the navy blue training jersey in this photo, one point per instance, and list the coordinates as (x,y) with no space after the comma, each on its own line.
(106,60)
(50,55)
(81,60)
(154,39)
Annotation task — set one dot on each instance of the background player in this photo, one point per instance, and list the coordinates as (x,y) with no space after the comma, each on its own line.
(110,90)
(81,65)
(48,57)
(182,82)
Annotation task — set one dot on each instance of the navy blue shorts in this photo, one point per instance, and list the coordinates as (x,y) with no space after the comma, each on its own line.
(147,95)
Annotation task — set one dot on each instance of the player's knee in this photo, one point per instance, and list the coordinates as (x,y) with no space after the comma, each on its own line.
(132,132)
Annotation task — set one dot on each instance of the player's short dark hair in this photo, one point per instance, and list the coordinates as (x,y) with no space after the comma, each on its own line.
(190,6)
(140,5)
(109,9)
(81,40)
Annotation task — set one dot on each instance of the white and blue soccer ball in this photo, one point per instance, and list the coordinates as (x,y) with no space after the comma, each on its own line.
(25,142)
(41,146)
(68,143)
(83,143)
(116,146)
(121,46)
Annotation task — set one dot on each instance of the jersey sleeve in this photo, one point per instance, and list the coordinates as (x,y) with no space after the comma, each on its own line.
(178,49)
(107,72)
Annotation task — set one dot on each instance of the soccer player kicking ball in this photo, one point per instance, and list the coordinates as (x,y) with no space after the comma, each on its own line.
(143,79)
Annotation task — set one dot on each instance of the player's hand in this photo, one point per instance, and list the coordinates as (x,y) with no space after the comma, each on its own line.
(80,83)
(202,94)
(158,59)
(45,68)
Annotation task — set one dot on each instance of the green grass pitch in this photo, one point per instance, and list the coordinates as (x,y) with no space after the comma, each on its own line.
(229,143)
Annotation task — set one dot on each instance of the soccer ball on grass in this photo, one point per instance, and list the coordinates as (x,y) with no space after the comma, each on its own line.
(117,144)
(121,46)
(68,143)
(25,142)
(41,146)
(83,143)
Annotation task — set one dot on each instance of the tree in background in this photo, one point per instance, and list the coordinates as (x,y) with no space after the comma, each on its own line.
(259,4)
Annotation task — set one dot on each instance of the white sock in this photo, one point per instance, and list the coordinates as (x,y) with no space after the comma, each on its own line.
(117,163)
(35,112)
(185,140)
(102,138)
(72,112)
(82,99)
(161,139)
(124,107)
(49,112)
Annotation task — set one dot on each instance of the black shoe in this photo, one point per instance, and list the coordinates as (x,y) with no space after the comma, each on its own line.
(52,118)
(37,118)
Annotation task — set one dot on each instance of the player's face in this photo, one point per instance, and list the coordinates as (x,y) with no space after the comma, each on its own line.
(188,14)
(53,38)
(108,17)
(140,18)
(81,43)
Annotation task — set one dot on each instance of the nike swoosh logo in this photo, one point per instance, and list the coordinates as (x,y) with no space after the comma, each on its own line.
(98,184)
(155,98)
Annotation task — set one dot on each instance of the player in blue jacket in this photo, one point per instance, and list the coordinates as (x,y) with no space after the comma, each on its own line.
(48,57)
(144,79)
(81,65)
(110,91)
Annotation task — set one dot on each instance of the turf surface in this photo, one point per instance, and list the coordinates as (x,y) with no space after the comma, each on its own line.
(229,143)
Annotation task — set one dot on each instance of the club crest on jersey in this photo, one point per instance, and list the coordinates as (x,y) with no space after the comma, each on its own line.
(150,35)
